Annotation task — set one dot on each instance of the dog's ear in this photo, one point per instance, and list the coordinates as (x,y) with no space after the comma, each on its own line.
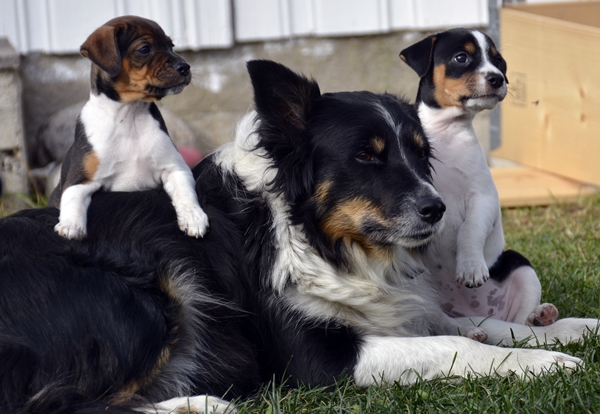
(102,48)
(420,55)
(282,97)
(283,101)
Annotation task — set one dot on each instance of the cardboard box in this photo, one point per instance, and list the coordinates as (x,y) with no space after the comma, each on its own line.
(551,116)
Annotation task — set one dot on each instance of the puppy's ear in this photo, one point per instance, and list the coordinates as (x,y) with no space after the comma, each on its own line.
(283,101)
(420,55)
(102,48)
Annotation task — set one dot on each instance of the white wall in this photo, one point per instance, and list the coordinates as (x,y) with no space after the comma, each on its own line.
(60,26)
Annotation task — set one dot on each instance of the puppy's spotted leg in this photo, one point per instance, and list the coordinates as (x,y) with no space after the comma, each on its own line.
(199,404)
(180,186)
(74,202)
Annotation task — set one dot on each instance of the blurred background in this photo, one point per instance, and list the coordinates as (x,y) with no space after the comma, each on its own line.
(343,44)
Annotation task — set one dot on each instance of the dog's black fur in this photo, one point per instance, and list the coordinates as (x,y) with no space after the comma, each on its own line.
(140,308)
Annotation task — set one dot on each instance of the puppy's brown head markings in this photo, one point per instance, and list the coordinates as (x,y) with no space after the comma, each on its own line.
(133,59)
(458,68)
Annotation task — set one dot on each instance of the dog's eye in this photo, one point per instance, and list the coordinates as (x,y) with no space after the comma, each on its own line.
(365,157)
(461,58)
(422,154)
(144,50)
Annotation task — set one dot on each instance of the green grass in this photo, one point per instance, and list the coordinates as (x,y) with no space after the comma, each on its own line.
(563,244)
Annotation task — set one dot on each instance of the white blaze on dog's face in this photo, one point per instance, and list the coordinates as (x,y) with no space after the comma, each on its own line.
(353,166)
(458,68)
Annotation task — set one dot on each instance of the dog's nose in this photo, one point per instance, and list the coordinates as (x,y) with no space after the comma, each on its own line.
(431,209)
(183,68)
(495,80)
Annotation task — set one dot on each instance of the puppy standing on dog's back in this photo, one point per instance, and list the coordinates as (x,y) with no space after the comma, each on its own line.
(121,141)
(461,74)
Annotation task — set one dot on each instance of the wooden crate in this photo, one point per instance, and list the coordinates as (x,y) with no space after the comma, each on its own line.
(526,186)
(551,117)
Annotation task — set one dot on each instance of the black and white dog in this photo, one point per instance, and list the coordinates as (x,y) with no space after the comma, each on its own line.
(311,270)
(462,73)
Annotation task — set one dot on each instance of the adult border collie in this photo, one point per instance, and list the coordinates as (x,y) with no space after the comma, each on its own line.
(311,270)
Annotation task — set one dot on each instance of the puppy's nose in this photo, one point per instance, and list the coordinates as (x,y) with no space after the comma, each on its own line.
(495,80)
(183,68)
(431,209)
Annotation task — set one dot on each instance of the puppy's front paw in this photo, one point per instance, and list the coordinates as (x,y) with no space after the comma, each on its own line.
(193,221)
(543,315)
(71,230)
(476,334)
(472,273)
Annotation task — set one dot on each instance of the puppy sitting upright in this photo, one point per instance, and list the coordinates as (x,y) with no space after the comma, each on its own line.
(121,141)
(461,74)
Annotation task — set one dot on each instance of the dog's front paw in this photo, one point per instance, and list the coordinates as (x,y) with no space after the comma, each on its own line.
(474,333)
(543,315)
(472,273)
(71,230)
(193,222)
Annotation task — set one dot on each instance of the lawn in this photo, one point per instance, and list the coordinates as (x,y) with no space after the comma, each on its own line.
(563,243)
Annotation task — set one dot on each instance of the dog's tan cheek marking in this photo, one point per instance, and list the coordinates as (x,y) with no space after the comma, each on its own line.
(448,91)
(131,83)
(91,162)
(344,223)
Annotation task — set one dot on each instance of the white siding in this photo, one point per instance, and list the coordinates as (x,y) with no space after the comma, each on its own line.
(60,26)
(276,19)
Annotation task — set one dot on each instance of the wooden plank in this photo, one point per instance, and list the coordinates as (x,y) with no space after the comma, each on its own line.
(549,119)
(524,186)
(583,13)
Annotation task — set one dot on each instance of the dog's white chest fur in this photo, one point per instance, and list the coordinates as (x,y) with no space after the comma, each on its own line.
(463,179)
(133,150)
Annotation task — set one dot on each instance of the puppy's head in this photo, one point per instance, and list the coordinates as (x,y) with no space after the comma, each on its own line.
(352,166)
(133,59)
(458,68)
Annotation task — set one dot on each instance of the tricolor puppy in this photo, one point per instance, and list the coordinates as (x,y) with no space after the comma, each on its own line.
(121,141)
(461,74)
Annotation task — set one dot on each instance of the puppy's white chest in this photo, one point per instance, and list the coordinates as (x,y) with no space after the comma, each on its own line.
(132,149)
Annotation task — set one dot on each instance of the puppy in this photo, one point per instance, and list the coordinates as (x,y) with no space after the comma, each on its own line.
(121,141)
(461,74)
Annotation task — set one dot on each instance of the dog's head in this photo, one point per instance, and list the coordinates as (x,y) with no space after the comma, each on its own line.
(133,59)
(353,166)
(458,68)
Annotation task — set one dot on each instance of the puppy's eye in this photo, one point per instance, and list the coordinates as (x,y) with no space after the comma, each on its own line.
(422,154)
(365,157)
(144,50)
(461,58)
